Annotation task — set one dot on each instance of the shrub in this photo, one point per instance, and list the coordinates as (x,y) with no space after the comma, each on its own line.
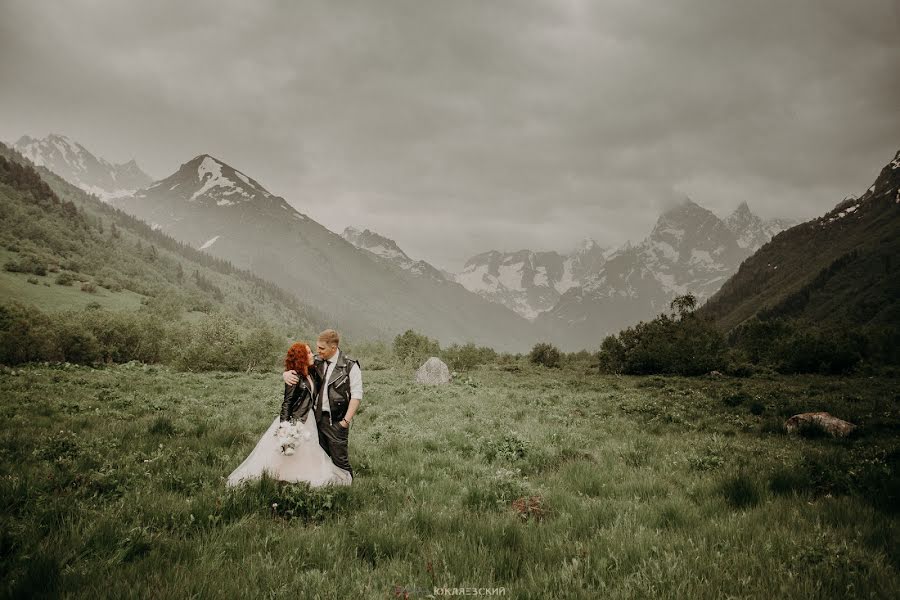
(508,447)
(219,343)
(464,358)
(816,351)
(64,279)
(25,335)
(414,348)
(545,354)
(75,343)
(27,264)
(681,344)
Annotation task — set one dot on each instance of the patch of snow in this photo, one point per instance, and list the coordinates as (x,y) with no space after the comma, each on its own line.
(540,277)
(224,202)
(510,276)
(477,279)
(701,256)
(210,170)
(567,281)
(385,252)
(665,249)
(209,242)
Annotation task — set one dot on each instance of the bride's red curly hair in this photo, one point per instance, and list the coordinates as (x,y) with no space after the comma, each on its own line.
(296,359)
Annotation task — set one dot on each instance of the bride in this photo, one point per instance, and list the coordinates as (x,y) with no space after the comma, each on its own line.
(309,462)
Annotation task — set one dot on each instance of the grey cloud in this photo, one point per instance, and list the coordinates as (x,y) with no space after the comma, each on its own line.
(457,127)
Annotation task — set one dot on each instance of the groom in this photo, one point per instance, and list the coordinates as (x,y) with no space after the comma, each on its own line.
(337,398)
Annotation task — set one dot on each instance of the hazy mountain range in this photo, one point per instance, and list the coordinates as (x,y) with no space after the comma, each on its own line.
(74,163)
(217,208)
(689,250)
(366,282)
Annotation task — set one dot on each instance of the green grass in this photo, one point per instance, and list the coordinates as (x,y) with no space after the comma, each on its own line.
(113,485)
(48,296)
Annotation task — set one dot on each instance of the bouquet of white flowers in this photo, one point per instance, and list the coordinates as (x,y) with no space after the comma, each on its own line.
(288,434)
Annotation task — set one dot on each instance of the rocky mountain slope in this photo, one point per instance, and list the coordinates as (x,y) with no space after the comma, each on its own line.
(841,268)
(213,206)
(689,250)
(388,250)
(74,163)
(530,282)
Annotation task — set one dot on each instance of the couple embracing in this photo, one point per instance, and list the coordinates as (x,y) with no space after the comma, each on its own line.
(321,395)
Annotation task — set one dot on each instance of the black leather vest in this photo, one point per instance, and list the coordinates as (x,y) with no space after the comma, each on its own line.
(338,388)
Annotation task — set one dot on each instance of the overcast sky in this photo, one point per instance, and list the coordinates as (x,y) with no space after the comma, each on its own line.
(456,127)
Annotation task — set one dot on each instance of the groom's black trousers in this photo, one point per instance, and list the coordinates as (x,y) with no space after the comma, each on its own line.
(333,439)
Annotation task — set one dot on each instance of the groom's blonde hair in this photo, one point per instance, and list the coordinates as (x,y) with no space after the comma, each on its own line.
(330,336)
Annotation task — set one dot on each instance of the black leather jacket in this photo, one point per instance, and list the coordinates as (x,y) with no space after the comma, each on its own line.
(298,399)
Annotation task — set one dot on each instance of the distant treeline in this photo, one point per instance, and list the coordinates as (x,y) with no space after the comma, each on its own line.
(95,336)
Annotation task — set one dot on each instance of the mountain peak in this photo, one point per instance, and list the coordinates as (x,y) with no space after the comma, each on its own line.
(586,245)
(742,209)
(74,163)
(375,243)
(210,180)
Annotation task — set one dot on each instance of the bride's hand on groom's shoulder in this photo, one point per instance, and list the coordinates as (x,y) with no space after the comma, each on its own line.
(290,377)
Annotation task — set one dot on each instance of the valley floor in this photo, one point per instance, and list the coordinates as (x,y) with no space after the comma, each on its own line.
(545,483)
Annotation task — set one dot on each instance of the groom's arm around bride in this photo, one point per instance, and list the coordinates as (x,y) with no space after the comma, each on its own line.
(337,398)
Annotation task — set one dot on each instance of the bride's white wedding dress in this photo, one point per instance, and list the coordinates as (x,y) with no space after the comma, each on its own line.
(308,463)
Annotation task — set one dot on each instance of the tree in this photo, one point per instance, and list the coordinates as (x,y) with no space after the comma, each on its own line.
(683,306)
(545,354)
(413,347)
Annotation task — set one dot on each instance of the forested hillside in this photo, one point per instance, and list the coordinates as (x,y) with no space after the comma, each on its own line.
(63,249)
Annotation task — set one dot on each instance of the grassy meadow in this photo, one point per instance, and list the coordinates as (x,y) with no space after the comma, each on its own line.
(548,483)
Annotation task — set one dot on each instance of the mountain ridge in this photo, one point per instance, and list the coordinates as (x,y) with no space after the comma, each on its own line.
(77,165)
(837,268)
(208,203)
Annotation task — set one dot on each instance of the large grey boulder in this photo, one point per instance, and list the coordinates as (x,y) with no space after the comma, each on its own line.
(820,421)
(433,372)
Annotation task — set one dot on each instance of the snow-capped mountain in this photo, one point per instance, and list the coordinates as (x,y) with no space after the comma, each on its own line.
(751,231)
(689,250)
(388,250)
(74,163)
(529,282)
(210,205)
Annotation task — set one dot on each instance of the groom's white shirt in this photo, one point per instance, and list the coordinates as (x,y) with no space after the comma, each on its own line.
(356,389)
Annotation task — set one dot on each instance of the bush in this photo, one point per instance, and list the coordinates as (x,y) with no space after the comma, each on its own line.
(680,344)
(796,347)
(27,264)
(218,343)
(95,335)
(25,335)
(64,279)
(464,358)
(813,351)
(545,354)
(414,348)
